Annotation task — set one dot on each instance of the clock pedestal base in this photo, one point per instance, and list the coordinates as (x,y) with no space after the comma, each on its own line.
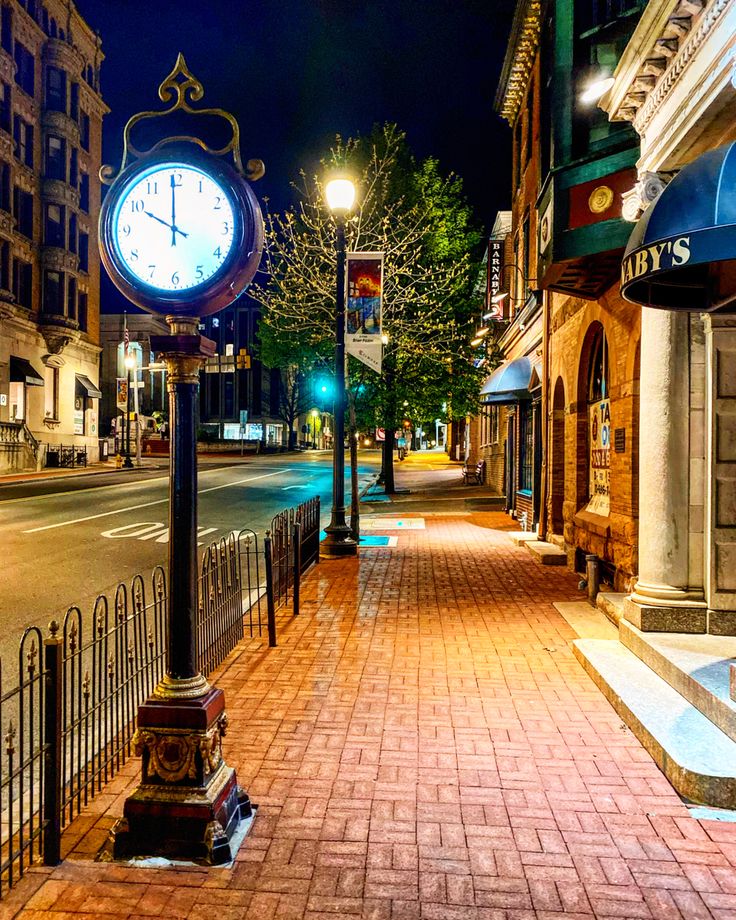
(189,804)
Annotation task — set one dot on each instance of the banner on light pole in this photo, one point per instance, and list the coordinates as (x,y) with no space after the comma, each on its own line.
(121,390)
(364,308)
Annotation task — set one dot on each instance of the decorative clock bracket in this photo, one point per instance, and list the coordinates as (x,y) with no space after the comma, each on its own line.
(184,88)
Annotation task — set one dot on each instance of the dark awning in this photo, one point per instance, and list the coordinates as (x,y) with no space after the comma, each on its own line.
(510,382)
(682,253)
(85,387)
(21,371)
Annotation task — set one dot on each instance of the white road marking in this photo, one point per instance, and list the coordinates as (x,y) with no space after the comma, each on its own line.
(160,501)
(147,530)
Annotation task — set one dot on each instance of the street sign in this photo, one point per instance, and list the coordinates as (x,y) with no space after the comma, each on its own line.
(380,434)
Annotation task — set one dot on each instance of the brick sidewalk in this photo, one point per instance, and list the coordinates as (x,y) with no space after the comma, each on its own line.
(422,744)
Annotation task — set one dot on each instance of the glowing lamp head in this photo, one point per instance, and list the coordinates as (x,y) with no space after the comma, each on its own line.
(129,361)
(314,413)
(340,194)
(596,89)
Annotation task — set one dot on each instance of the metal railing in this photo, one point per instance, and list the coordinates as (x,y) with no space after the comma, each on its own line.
(69,720)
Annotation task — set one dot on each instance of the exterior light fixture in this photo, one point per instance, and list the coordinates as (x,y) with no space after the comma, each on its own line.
(596,89)
(482,332)
(130,361)
(340,194)
(499,298)
(476,342)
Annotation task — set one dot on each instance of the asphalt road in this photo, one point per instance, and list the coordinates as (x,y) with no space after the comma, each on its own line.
(66,540)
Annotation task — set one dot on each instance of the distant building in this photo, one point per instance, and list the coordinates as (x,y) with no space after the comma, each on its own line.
(227,389)
(50,149)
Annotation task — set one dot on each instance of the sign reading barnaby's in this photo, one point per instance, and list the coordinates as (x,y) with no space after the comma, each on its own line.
(659,257)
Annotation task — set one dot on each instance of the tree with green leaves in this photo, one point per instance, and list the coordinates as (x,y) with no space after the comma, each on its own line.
(421,221)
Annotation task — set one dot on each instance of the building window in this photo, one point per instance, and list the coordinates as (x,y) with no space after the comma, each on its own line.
(23,136)
(526,447)
(84,130)
(5,187)
(517,150)
(74,102)
(6,28)
(84,192)
(525,254)
(74,168)
(25,69)
(5,265)
(53,293)
(55,158)
(23,283)
(5,106)
(23,212)
(83,251)
(71,299)
(599,427)
(55,89)
(82,310)
(495,424)
(51,393)
(72,245)
(53,234)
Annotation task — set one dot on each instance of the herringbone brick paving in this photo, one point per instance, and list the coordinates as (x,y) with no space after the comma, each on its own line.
(422,746)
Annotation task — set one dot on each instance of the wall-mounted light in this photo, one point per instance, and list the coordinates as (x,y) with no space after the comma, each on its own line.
(596,89)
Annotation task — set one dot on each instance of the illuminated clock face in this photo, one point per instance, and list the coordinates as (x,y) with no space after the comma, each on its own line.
(173,227)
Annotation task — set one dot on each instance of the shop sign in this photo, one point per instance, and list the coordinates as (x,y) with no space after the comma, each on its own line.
(600,457)
(78,421)
(495,266)
(659,257)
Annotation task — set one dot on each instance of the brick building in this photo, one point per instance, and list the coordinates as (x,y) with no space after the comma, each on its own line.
(50,149)
(570,166)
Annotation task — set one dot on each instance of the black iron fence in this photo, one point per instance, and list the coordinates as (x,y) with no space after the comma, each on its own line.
(69,720)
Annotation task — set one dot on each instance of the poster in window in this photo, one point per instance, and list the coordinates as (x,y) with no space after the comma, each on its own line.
(600,457)
(78,421)
(363,313)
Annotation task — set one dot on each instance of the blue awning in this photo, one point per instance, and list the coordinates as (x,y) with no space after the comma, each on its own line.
(682,252)
(510,382)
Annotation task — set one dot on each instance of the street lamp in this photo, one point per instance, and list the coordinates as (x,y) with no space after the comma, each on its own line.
(338,541)
(129,365)
(314,415)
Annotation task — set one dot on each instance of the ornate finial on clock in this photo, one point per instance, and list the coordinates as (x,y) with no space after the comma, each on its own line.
(183,88)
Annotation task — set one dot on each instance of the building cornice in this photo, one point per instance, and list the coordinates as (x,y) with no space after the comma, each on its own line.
(663,44)
(520,55)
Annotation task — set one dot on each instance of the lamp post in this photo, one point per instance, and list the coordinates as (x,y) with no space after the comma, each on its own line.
(129,365)
(338,541)
(314,415)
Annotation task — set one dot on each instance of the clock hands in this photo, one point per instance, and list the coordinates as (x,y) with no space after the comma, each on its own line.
(173,210)
(174,229)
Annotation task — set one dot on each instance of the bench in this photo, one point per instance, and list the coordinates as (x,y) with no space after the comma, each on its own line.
(475,474)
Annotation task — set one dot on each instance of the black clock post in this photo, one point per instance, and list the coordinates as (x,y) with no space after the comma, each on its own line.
(188,803)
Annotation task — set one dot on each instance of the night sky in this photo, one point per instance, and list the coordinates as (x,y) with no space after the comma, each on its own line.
(297,72)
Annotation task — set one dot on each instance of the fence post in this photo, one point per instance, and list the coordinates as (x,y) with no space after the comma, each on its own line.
(297,538)
(53,651)
(270,603)
(316,536)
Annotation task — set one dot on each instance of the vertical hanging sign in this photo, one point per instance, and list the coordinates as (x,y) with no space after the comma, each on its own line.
(363,308)
(600,458)
(495,271)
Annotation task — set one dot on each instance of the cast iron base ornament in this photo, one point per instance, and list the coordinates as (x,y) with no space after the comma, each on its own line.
(181,234)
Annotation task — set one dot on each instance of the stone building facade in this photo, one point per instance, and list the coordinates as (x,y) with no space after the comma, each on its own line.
(51,115)
(675,85)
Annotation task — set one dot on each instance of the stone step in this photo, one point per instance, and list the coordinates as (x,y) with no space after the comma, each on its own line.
(693,753)
(697,665)
(519,537)
(612,604)
(547,553)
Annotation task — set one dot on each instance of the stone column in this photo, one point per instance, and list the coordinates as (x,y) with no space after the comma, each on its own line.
(663,599)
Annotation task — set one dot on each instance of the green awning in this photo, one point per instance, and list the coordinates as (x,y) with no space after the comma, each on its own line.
(21,371)
(85,387)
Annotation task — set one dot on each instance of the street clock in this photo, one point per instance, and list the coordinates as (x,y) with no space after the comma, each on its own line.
(181,232)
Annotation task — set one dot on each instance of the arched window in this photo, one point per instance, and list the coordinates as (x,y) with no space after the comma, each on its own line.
(599,427)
